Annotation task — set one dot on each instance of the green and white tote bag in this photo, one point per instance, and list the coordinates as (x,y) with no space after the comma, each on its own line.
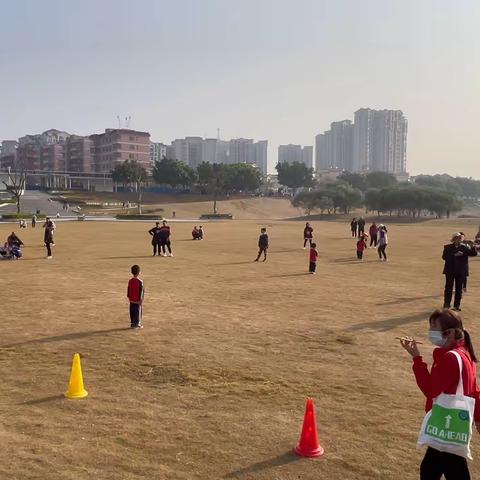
(447,427)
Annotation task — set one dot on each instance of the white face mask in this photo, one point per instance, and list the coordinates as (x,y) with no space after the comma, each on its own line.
(436,338)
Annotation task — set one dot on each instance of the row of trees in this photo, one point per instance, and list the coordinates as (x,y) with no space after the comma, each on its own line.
(403,199)
(214,179)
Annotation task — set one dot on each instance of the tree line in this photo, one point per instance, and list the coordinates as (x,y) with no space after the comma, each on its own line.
(378,192)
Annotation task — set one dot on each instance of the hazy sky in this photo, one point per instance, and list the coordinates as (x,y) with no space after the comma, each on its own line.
(280,70)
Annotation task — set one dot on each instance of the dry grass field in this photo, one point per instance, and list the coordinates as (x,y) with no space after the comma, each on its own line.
(214,386)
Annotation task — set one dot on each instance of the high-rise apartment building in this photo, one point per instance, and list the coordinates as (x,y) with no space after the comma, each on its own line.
(117,145)
(52,157)
(158,151)
(295,153)
(375,141)
(79,154)
(260,151)
(8,147)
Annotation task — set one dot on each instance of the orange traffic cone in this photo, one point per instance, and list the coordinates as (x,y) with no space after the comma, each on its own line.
(75,385)
(308,445)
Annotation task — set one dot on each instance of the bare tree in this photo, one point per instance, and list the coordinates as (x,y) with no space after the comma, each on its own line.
(16,182)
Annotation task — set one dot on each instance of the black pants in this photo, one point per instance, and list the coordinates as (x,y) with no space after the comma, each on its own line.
(464,285)
(135,314)
(435,464)
(359,254)
(361,231)
(305,242)
(260,251)
(450,280)
(49,249)
(354,232)
(373,240)
(166,245)
(381,252)
(312,267)
(156,248)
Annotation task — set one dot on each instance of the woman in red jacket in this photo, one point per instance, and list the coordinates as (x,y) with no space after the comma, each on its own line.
(447,333)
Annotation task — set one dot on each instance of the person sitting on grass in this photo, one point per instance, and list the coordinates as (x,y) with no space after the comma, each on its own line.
(195,233)
(14,241)
(262,245)
(201,232)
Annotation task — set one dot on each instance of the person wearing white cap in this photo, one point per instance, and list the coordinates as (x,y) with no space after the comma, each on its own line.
(455,255)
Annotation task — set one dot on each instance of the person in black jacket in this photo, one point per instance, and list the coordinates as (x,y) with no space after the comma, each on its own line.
(361,227)
(262,245)
(353,227)
(307,235)
(155,233)
(455,255)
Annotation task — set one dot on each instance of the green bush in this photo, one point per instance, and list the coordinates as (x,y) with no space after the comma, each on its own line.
(216,216)
(139,217)
(21,216)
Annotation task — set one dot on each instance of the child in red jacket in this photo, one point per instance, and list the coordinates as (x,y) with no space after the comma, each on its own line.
(447,333)
(361,246)
(313,259)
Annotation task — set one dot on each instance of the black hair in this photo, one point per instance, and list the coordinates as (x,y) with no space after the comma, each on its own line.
(449,319)
(135,269)
(263,229)
(314,245)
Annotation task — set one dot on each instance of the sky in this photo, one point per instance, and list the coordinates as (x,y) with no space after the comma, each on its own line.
(280,70)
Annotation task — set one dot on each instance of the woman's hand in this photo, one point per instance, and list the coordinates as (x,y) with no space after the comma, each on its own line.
(410,345)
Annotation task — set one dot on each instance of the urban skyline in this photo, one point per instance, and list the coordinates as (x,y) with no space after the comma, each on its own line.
(59,150)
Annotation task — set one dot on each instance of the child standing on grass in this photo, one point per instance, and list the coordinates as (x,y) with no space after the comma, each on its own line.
(313,259)
(361,246)
(135,294)
(262,245)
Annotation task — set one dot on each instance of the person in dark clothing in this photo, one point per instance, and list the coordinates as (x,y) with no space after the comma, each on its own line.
(307,235)
(353,227)
(373,231)
(155,233)
(361,227)
(48,237)
(164,236)
(14,241)
(455,255)
(262,245)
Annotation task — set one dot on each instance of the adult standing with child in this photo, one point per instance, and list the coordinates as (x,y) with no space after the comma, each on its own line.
(155,233)
(164,237)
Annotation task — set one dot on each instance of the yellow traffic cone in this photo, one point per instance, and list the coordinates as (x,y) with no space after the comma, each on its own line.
(75,385)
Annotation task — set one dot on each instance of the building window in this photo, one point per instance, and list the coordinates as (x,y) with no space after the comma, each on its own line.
(131,156)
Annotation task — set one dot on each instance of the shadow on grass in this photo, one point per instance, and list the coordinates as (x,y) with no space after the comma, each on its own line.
(278,461)
(232,263)
(300,274)
(67,336)
(408,299)
(132,257)
(38,401)
(391,323)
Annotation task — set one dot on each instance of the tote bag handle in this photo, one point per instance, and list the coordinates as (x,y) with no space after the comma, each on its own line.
(460,390)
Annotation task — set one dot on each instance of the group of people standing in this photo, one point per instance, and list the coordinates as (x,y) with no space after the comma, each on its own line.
(161,239)
(378,235)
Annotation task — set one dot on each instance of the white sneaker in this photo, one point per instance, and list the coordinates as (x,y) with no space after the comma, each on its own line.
(171,255)
(49,258)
